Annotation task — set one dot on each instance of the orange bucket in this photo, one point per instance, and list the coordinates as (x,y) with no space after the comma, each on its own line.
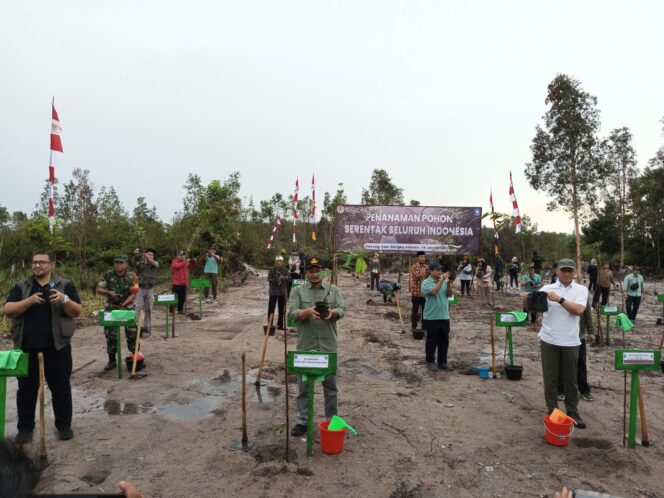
(558,434)
(331,442)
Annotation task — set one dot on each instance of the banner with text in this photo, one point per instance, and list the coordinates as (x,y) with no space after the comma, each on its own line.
(408,229)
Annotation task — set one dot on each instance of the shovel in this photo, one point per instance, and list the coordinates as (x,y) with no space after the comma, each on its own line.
(134,375)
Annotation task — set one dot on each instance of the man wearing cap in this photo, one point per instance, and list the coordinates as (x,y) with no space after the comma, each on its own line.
(42,308)
(115,286)
(146,268)
(317,307)
(633,286)
(559,339)
(278,278)
(437,289)
(418,272)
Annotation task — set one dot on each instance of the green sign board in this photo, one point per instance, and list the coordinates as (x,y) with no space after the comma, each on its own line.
(660,298)
(453,300)
(609,309)
(200,283)
(18,368)
(165,299)
(511,319)
(638,360)
(312,363)
(117,318)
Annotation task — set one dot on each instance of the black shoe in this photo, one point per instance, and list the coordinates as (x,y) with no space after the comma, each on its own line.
(110,366)
(65,434)
(443,366)
(587,396)
(578,421)
(23,437)
(299,430)
(145,333)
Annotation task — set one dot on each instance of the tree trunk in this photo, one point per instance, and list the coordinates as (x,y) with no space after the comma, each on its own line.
(575,213)
(623,201)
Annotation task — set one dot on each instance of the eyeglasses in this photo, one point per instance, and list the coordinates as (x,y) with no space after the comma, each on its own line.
(40,263)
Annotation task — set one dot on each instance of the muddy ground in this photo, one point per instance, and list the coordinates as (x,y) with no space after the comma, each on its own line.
(421,433)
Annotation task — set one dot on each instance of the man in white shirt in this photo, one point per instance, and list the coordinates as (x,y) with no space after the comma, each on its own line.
(559,338)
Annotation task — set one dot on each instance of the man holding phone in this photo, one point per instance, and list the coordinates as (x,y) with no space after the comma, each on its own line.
(42,308)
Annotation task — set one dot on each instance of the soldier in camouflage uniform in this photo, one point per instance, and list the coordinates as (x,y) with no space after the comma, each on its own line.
(115,286)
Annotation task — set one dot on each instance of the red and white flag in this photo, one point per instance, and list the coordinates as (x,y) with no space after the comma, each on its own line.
(277,224)
(56,154)
(313,208)
(515,208)
(296,214)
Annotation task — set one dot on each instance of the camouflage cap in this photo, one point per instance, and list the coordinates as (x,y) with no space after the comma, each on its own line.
(120,257)
(313,262)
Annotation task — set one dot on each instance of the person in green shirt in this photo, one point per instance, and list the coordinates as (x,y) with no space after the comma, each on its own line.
(316,306)
(633,286)
(436,291)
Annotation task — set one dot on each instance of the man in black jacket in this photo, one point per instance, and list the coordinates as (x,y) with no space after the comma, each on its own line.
(42,309)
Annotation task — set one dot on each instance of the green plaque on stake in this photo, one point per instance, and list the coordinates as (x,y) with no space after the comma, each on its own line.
(20,369)
(313,366)
(166,300)
(636,360)
(609,309)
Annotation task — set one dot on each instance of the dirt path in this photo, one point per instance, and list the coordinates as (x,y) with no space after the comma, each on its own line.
(422,434)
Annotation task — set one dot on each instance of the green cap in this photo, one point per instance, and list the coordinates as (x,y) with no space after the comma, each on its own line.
(120,257)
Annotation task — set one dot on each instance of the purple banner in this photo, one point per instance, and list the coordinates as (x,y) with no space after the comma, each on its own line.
(408,229)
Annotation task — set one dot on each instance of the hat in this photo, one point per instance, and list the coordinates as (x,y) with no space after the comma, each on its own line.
(181,252)
(120,257)
(313,262)
(420,253)
(435,266)
(514,260)
(279,258)
(566,263)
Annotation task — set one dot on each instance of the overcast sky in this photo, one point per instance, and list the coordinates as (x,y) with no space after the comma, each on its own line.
(444,95)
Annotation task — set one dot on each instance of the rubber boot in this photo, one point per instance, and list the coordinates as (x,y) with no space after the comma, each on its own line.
(111,363)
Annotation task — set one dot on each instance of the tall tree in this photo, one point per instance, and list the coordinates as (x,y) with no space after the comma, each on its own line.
(566,162)
(621,159)
(382,191)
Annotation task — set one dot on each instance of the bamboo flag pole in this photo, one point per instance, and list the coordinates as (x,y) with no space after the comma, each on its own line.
(493,349)
(645,440)
(285,325)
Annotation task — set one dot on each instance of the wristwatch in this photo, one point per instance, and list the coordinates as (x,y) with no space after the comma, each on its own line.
(65,300)
(561,300)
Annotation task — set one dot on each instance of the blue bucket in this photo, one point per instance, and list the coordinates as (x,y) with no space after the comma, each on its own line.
(484,372)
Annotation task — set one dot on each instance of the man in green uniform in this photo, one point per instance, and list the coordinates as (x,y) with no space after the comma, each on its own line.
(316,329)
(115,286)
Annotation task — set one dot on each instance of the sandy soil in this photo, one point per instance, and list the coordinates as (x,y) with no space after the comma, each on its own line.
(421,433)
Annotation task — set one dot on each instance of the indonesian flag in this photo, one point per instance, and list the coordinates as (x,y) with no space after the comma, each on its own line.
(277,224)
(296,214)
(496,240)
(313,208)
(56,154)
(515,208)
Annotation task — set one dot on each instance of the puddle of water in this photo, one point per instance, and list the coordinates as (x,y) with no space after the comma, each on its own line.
(364,366)
(114,407)
(193,411)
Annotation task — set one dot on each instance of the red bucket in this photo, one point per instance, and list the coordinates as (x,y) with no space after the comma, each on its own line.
(331,442)
(558,434)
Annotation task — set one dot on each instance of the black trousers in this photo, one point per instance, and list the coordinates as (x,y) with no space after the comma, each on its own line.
(592,284)
(375,277)
(418,302)
(438,337)
(581,372)
(514,280)
(604,292)
(57,370)
(632,304)
(465,284)
(270,309)
(181,291)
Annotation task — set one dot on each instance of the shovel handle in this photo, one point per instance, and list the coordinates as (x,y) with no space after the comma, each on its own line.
(138,344)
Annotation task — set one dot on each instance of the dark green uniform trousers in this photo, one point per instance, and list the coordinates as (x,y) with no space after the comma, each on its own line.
(553,359)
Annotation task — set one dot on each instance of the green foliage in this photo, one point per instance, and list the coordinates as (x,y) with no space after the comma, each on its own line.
(381,191)
(566,161)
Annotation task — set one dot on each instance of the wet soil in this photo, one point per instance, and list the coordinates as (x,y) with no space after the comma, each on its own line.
(421,433)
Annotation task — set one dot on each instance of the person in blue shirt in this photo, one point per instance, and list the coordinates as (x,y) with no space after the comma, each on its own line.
(436,289)
(531,282)
(211,261)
